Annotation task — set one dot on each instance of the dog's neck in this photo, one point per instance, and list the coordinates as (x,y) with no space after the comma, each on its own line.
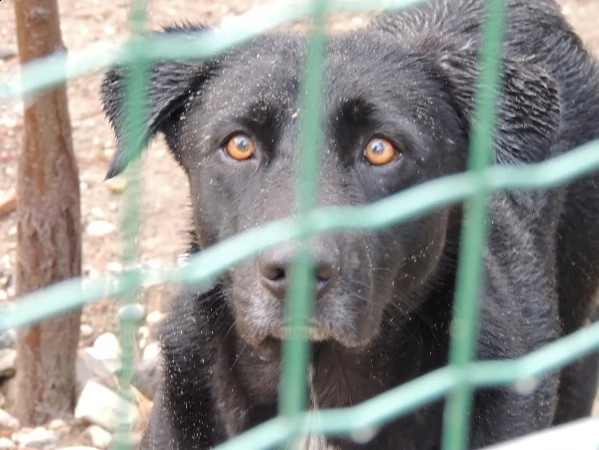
(246,385)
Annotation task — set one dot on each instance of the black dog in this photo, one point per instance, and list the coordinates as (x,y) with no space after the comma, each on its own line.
(397,112)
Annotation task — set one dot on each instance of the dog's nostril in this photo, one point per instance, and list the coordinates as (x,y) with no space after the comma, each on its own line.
(324,273)
(273,273)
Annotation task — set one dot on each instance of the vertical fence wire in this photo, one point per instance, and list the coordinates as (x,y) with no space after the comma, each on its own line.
(464,324)
(135,111)
(299,299)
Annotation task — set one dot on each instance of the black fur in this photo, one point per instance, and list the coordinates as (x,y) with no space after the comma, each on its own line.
(384,303)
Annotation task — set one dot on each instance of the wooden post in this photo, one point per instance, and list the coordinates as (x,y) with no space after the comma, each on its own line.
(49,234)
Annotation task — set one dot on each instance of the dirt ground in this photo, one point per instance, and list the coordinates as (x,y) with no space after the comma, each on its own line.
(165,200)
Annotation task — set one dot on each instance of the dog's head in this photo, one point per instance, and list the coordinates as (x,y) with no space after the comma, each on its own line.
(394,116)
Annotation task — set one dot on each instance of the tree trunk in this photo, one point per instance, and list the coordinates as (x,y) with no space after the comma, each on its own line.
(49,234)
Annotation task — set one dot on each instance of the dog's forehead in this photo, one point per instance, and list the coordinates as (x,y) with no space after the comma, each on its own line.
(266,69)
(269,71)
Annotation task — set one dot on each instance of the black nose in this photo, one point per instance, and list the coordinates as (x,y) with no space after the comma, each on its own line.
(274,266)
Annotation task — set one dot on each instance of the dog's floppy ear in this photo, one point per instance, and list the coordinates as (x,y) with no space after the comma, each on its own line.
(169,85)
(529,110)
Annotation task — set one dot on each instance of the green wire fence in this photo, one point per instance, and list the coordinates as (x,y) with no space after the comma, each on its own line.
(455,381)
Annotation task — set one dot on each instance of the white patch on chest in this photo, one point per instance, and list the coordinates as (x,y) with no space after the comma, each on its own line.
(313,442)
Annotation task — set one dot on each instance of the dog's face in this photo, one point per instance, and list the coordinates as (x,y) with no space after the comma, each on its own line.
(392,118)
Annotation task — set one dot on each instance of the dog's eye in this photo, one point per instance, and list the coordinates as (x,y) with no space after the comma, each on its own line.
(240,147)
(380,152)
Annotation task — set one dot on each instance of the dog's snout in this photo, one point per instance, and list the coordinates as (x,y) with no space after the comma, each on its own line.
(274,267)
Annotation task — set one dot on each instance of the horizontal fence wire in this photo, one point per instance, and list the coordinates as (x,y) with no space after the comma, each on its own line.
(50,71)
(202,270)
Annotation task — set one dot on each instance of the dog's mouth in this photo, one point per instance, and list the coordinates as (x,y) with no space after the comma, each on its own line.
(258,337)
(344,315)
(312,333)
(271,349)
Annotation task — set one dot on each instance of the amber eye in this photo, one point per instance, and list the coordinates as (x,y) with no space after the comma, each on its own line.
(380,152)
(240,147)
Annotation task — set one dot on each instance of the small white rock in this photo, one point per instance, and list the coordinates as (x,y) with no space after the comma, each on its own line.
(8,360)
(90,368)
(8,422)
(98,436)
(143,332)
(147,371)
(155,264)
(100,228)
(154,318)
(101,406)
(7,444)
(86,331)
(143,343)
(93,274)
(108,344)
(143,336)
(90,272)
(97,212)
(114,267)
(38,438)
(116,185)
(152,351)
(56,425)
(8,339)
(107,348)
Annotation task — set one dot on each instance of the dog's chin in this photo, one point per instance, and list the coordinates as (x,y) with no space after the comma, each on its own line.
(268,338)
(310,333)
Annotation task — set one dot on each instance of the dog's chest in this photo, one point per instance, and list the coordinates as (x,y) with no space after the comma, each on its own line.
(313,442)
